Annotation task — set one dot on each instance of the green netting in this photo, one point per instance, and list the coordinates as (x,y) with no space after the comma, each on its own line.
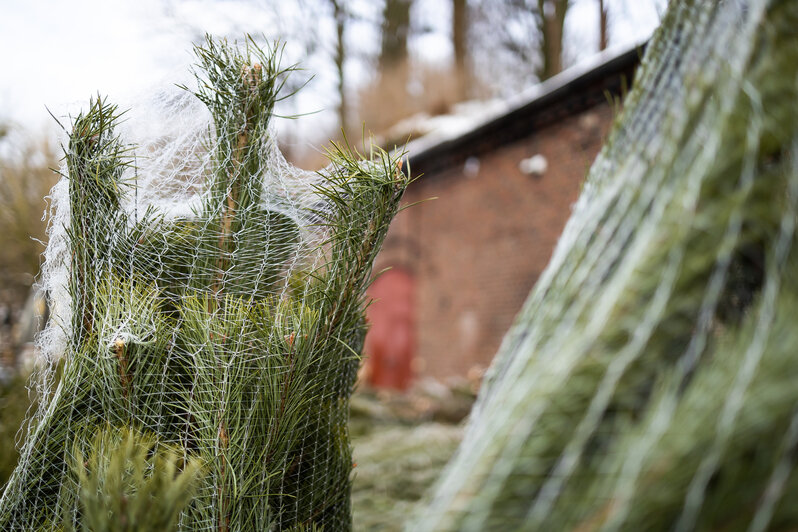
(649,383)
(208,301)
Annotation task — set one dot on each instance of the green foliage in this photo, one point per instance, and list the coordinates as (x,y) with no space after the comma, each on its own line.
(396,466)
(14,403)
(228,333)
(648,383)
(129,483)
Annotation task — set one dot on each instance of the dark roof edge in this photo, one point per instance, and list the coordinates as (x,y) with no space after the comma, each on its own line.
(568,98)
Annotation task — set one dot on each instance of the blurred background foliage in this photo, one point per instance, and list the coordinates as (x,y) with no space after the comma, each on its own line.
(26,177)
(401,443)
(14,403)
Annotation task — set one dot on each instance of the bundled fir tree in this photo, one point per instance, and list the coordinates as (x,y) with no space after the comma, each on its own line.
(649,383)
(214,319)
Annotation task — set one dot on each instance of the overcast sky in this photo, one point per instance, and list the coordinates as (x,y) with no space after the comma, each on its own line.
(56,53)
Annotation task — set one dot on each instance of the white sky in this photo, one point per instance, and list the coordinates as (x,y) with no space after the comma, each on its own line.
(57,53)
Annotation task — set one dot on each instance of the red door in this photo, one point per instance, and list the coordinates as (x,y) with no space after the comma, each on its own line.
(390,340)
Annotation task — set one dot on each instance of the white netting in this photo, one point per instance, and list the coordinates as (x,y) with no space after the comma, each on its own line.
(208,297)
(649,381)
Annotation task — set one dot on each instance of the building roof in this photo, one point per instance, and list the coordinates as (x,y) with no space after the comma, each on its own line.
(472,133)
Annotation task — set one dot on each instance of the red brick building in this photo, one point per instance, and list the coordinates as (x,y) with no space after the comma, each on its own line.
(463,263)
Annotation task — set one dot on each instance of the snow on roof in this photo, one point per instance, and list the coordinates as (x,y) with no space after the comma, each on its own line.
(432,130)
(470,115)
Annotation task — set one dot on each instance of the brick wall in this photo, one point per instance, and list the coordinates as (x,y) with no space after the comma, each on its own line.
(476,251)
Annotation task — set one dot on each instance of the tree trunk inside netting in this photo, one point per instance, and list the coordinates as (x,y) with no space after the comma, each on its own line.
(649,381)
(208,301)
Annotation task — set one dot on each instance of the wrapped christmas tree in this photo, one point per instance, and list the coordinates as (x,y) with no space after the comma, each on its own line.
(649,381)
(207,305)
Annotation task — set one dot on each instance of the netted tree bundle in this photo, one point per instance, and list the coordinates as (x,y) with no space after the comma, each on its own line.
(649,383)
(207,297)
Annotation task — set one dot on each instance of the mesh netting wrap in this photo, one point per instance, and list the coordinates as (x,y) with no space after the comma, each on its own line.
(649,382)
(208,299)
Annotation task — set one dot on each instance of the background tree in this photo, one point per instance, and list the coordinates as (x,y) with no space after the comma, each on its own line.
(395,30)
(460,30)
(340,16)
(550,20)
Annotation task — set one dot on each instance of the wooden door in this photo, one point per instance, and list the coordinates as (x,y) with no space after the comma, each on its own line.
(390,341)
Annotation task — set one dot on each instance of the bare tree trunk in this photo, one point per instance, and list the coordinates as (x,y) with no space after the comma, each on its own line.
(603,36)
(395,28)
(460,42)
(551,22)
(340,56)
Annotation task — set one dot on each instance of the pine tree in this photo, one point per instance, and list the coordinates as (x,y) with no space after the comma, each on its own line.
(227,337)
(649,381)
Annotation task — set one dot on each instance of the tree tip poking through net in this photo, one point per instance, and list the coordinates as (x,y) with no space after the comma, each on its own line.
(649,383)
(208,303)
